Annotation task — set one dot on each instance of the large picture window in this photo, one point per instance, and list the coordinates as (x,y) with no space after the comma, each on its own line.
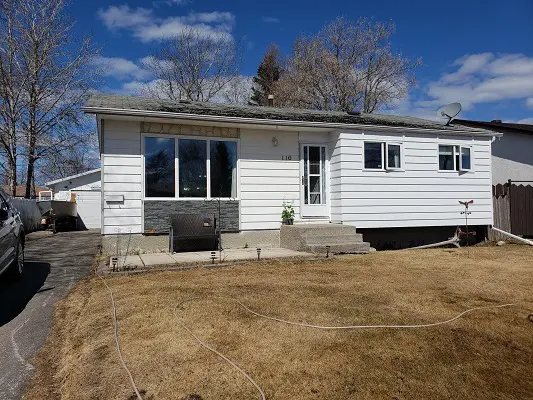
(223,168)
(205,168)
(192,155)
(159,167)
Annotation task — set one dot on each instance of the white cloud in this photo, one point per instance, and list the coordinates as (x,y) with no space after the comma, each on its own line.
(270,20)
(143,24)
(120,68)
(474,79)
(482,78)
(116,17)
(525,121)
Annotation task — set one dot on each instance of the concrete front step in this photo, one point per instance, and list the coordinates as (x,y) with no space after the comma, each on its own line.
(334,239)
(319,229)
(357,248)
(315,237)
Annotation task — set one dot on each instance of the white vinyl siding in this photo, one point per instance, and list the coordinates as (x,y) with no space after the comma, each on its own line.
(419,194)
(89,207)
(267,180)
(335,174)
(122,175)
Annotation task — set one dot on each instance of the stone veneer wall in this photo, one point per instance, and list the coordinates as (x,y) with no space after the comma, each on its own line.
(157,213)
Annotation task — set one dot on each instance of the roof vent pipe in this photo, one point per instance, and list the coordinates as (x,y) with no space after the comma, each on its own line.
(270,100)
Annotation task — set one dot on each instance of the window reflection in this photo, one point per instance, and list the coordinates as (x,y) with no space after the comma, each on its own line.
(159,167)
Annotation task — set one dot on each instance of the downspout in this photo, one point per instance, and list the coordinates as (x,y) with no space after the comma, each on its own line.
(520,239)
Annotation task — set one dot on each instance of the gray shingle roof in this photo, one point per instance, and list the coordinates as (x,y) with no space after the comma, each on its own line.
(106,101)
(497,126)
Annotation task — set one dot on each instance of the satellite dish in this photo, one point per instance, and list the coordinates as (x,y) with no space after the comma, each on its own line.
(449,111)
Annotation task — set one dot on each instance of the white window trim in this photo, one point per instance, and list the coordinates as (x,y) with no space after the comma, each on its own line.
(401,167)
(461,159)
(176,167)
(384,156)
(456,168)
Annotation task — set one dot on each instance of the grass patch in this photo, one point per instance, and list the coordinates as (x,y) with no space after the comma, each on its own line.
(486,354)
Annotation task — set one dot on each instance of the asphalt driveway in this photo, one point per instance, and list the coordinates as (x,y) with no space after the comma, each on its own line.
(53,265)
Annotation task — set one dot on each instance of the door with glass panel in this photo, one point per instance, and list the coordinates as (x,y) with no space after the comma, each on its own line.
(314,181)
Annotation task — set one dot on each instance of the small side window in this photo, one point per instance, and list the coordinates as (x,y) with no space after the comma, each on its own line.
(465,160)
(373,155)
(446,158)
(394,156)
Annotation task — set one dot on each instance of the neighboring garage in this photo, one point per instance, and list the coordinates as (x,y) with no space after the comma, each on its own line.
(86,188)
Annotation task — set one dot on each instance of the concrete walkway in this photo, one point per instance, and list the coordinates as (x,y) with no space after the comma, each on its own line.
(145,261)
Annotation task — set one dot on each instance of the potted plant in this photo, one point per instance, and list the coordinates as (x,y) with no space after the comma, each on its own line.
(287,215)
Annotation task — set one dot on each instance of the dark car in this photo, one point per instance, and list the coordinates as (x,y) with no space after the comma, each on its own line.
(11,239)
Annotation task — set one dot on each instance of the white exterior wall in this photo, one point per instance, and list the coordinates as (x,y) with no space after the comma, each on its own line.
(419,195)
(267,180)
(122,175)
(512,158)
(62,190)
(335,188)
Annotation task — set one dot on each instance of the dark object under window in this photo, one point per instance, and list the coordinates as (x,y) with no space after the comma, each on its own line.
(192,168)
(159,167)
(373,155)
(193,232)
(223,156)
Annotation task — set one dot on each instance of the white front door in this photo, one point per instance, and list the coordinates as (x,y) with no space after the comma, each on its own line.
(313,181)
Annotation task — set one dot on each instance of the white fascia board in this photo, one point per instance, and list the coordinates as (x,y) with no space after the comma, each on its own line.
(68,178)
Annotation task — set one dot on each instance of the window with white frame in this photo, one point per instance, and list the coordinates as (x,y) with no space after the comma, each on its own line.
(190,168)
(394,156)
(382,155)
(455,158)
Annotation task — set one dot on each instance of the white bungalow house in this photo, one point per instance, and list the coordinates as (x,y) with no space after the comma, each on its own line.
(378,173)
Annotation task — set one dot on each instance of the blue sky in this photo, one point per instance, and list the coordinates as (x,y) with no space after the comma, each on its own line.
(479,53)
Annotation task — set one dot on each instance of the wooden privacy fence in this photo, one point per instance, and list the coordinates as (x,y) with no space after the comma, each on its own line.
(513,209)
(29,213)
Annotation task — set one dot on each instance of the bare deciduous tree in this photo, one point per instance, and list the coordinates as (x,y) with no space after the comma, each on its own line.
(53,75)
(11,94)
(194,65)
(347,66)
(238,91)
(62,162)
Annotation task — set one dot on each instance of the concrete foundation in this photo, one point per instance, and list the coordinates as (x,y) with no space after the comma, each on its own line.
(402,238)
(147,244)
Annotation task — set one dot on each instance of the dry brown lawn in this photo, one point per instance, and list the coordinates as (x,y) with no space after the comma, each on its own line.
(487,354)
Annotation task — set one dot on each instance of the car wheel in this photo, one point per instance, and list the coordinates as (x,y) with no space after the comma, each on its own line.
(17,269)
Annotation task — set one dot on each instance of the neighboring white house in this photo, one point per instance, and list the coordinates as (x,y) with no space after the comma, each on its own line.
(87,189)
(512,154)
(372,171)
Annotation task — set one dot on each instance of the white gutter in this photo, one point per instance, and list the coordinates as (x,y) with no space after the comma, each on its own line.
(520,239)
(275,122)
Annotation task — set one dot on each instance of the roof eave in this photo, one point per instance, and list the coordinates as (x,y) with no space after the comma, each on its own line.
(274,122)
(68,178)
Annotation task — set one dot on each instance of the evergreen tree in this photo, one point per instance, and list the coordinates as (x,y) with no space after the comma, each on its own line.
(268,74)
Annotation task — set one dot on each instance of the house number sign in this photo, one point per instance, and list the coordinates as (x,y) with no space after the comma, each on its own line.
(286,158)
